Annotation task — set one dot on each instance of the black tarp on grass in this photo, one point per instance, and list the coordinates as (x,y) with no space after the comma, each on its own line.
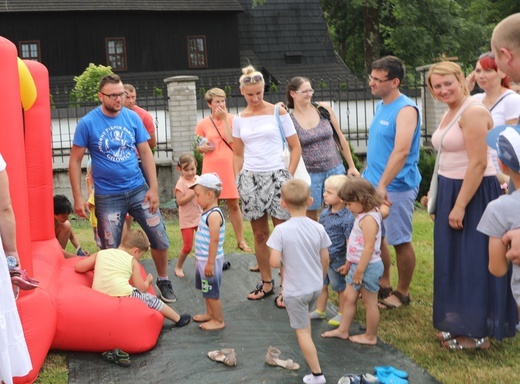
(180,355)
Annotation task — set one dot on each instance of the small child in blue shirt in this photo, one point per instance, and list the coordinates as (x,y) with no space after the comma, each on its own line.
(209,251)
(338,222)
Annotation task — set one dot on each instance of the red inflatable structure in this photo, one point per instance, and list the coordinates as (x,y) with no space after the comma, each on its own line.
(63,312)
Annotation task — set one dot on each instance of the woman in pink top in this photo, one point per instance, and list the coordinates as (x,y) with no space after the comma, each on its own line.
(469,304)
(217,148)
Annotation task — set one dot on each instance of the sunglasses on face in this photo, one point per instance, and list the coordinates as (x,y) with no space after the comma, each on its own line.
(252,79)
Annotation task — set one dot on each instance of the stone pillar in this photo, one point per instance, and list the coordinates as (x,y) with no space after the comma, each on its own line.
(432,109)
(182,106)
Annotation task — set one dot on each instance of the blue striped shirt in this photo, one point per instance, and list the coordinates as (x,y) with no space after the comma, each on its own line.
(202,238)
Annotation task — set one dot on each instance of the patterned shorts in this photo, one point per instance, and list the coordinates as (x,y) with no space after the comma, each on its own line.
(261,193)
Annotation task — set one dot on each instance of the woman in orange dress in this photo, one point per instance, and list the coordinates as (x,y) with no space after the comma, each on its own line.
(216,144)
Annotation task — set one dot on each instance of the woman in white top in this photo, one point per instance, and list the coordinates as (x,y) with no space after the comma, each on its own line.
(502,102)
(259,168)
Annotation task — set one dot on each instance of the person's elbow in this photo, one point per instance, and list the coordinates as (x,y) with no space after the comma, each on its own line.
(498,270)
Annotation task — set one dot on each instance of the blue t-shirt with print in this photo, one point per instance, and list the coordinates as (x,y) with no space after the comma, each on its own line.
(112,142)
(338,226)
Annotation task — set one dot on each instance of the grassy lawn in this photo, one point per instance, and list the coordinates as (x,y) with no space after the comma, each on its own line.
(409,329)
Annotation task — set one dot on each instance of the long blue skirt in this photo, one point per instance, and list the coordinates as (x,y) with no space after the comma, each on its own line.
(467,299)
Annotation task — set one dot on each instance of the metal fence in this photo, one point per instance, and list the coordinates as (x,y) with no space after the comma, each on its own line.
(352,102)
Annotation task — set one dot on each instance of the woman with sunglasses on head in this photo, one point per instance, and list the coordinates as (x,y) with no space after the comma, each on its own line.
(320,152)
(259,168)
(502,102)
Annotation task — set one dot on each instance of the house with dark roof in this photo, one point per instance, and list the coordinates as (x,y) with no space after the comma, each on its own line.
(147,41)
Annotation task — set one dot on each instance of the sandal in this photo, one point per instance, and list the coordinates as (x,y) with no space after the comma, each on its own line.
(226,356)
(244,247)
(255,268)
(444,336)
(21,279)
(405,300)
(454,344)
(272,358)
(260,289)
(384,292)
(278,301)
(118,357)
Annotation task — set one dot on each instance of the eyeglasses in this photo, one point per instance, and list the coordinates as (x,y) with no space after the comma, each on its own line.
(114,96)
(487,54)
(379,81)
(252,79)
(307,91)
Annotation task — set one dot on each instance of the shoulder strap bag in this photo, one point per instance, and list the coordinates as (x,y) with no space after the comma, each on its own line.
(224,140)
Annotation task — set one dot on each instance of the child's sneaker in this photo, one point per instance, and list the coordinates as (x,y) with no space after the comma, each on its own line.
(184,320)
(80,252)
(336,320)
(317,315)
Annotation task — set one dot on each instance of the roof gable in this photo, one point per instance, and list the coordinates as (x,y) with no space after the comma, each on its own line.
(119,5)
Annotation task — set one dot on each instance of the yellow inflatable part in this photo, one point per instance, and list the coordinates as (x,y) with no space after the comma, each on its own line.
(28,91)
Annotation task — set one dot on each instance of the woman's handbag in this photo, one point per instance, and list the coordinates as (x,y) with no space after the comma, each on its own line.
(301,171)
(432,193)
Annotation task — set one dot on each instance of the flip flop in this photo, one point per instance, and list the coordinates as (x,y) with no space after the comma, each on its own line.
(278,301)
(226,356)
(255,268)
(272,359)
(118,357)
(244,247)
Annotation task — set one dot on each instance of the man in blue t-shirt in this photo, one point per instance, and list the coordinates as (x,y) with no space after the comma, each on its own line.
(392,156)
(113,135)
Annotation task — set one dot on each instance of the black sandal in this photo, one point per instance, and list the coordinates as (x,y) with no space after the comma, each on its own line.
(117,356)
(260,289)
(278,301)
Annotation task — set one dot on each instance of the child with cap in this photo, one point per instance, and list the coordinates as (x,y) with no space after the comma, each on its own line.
(501,215)
(209,252)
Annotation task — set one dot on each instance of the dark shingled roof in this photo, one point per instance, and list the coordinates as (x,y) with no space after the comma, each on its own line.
(115,5)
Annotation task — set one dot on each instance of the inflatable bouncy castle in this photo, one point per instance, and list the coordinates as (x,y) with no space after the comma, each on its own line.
(63,312)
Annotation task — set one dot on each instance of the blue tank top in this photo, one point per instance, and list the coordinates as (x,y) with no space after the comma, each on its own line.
(381,144)
(202,237)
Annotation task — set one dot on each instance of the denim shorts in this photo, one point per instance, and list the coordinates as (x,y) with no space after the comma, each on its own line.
(298,308)
(111,211)
(400,217)
(318,185)
(210,286)
(371,276)
(336,280)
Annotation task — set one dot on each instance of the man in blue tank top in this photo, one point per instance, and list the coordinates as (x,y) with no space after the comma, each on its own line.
(113,135)
(392,156)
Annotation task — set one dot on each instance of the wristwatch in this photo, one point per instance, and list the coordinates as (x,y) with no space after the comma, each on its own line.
(12,262)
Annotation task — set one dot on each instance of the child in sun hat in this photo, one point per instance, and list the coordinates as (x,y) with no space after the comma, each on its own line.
(501,215)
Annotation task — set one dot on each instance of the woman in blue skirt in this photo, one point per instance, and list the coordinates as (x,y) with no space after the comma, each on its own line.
(469,305)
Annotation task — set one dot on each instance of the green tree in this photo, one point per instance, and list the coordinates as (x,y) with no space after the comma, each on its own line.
(86,87)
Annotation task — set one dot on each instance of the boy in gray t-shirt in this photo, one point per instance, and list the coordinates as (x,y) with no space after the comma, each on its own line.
(301,246)
(501,215)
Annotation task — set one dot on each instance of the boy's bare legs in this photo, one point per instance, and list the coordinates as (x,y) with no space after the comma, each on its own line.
(260,229)
(321,304)
(180,262)
(349,311)
(214,306)
(308,348)
(203,317)
(372,319)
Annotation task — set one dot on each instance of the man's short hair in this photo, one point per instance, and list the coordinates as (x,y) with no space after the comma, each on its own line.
(62,205)
(391,64)
(111,78)
(507,33)
(296,193)
(129,87)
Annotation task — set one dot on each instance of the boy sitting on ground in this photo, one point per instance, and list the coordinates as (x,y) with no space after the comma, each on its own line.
(301,245)
(114,267)
(63,228)
(209,252)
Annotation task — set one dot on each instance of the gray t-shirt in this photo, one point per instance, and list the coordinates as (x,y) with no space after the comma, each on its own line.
(300,240)
(500,216)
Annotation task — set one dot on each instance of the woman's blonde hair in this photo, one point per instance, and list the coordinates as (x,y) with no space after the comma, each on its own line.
(250,76)
(214,92)
(447,68)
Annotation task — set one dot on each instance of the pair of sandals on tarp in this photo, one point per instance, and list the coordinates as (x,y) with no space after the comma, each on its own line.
(228,357)
(382,375)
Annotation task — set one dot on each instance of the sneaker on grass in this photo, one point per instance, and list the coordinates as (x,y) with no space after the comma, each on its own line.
(166,291)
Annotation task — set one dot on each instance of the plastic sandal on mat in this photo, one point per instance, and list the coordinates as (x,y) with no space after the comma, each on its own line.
(226,356)
(118,357)
(272,358)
